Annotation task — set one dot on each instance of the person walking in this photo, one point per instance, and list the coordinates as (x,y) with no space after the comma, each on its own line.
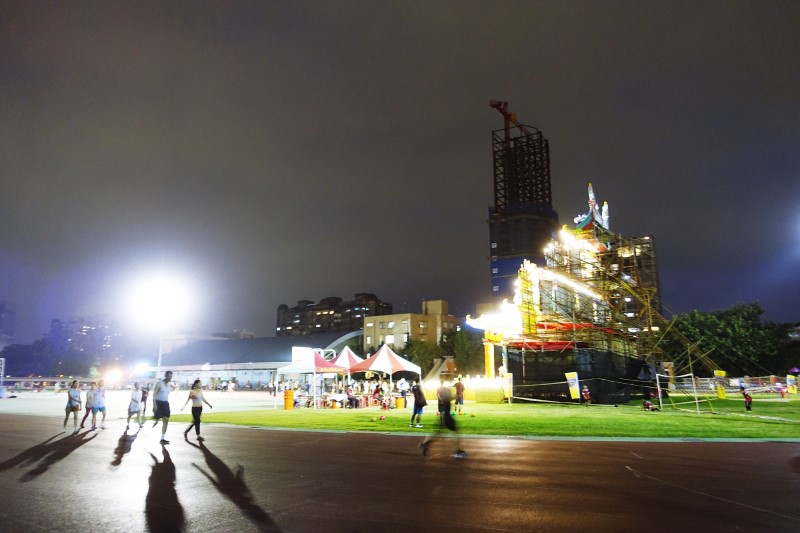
(89,402)
(446,420)
(459,396)
(161,392)
(197,398)
(73,406)
(419,404)
(99,405)
(135,407)
(145,394)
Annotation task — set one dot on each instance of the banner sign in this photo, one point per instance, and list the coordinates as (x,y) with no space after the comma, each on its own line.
(791,384)
(719,383)
(574,386)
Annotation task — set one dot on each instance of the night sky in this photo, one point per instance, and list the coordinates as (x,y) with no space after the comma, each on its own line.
(278,151)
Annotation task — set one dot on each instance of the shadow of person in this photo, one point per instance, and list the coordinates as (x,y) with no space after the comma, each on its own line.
(123,446)
(162,510)
(232,485)
(31,455)
(55,452)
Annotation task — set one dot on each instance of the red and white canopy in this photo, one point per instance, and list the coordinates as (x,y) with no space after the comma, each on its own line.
(312,365)
(347,359)
(385,360)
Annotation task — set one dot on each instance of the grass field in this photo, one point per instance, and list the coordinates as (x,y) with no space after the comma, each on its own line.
(771,418)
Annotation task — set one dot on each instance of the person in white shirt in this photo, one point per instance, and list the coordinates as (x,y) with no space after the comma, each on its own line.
(99,405)
(89,402)
(73,405)
(197,398)
(161,392)
(135,407)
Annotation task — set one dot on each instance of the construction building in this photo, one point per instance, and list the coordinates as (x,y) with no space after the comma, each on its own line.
(581,300)
(593,308)
(522,220)
(329,314)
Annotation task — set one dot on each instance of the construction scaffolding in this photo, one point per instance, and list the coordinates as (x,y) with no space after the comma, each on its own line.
(593,307)
(522,219)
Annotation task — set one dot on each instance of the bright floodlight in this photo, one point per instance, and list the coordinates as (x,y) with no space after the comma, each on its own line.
(160,302)
(113,376)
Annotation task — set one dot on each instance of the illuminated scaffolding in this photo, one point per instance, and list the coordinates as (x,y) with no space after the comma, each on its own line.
(593,307)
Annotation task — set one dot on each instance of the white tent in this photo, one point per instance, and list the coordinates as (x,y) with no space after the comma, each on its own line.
(347,359)
(385,360)
(307,364)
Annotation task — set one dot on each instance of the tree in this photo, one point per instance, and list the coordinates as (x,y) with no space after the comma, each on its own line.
(788,353)
(423,354)
(736,339)
(35,359)
(467,346)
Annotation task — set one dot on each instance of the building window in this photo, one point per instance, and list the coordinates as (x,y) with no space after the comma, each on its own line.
(391,324)
(382,325)
(389,339)
(369,324)
(369,340)
(422,325)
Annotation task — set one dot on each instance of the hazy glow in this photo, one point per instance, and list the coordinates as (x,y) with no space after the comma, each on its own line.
(140,369)
(113,376)
(507,321)
(159,302)
(577,287)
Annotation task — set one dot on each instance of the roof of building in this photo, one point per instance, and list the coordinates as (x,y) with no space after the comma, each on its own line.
(260,350)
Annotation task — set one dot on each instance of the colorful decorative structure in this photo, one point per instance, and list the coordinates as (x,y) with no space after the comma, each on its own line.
(592,308)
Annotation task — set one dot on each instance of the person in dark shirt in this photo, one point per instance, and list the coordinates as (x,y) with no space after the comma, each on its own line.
(444,397)
(419,404)
(459,396)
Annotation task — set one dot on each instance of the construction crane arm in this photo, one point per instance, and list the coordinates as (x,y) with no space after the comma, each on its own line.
(509,117)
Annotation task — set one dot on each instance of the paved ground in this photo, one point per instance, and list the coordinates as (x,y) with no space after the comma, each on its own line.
(271,480)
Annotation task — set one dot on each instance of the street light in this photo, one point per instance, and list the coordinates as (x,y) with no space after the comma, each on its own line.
(159,302)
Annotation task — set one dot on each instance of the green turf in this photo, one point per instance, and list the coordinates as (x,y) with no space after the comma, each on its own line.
(770,418)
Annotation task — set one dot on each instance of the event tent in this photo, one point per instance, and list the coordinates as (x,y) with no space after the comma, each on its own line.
(312,365)
(347,359)
(385,360)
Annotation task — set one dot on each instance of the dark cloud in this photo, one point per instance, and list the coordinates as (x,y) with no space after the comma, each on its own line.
(277,152)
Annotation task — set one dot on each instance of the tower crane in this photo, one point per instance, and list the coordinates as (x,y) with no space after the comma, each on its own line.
(509,117)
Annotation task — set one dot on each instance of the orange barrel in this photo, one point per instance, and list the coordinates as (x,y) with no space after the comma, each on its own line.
(400,402)
(288,399)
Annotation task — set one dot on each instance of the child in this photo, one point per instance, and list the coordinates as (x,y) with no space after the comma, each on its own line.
(748,401)
(647,405)
(587,396)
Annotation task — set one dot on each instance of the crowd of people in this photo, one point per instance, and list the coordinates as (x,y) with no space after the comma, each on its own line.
(379,389)
(95,404)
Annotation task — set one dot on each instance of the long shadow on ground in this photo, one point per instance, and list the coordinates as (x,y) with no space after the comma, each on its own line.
(232,485)
(46,454)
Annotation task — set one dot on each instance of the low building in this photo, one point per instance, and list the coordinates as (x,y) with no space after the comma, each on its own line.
(253,361)
(396,330)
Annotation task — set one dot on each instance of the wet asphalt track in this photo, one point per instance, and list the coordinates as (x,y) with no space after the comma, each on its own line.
(273,480)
